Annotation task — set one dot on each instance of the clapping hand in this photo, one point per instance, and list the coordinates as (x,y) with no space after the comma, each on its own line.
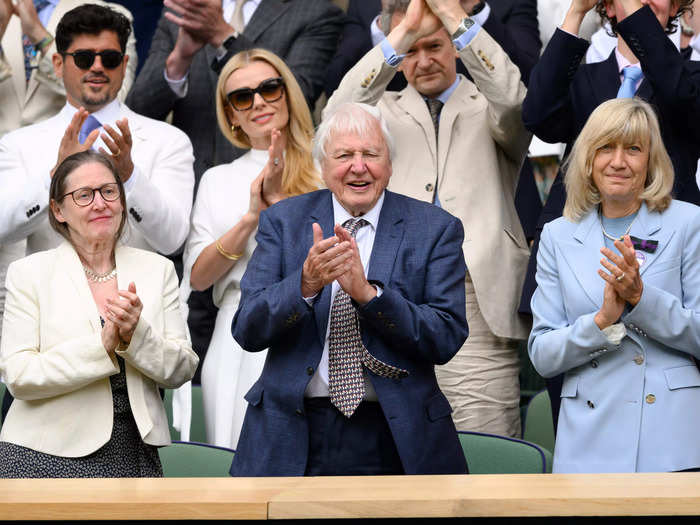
(70,143)
(353,280)
(327,260)
(624,271)
(125,312)
(119,145)
(273,170)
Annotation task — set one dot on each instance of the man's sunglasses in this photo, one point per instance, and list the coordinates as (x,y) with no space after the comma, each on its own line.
(85,58)
(270,90)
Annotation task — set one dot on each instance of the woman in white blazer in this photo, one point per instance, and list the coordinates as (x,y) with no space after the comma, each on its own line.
(617,305)
(91,329)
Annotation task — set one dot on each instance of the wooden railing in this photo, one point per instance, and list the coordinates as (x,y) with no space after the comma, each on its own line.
(352,497)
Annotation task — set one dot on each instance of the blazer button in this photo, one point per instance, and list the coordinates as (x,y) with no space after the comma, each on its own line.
(639,359)
(651,399)
(429,187)
(299,412)
(594,363)
(590,404)
(310,370)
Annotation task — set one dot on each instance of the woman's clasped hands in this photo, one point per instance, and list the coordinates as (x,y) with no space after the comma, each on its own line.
(122,316)
(623,284)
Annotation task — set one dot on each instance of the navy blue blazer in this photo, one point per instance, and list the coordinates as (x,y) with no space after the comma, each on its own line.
(418,321)
(563,93)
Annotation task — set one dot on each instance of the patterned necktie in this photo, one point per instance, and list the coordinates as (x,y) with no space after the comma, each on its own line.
(90,124)
(629,82)
(237,20)
(30,60)
(347,353)
(435,107)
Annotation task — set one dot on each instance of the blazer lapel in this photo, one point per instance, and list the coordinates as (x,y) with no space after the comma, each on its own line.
(134,124)
(67,257)
(323,215)
(387,240)
(412,103)
(605,81)
(649,225)
(583,256)
(264,16)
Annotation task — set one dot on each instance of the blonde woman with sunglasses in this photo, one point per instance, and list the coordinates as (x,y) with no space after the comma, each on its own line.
(260,107)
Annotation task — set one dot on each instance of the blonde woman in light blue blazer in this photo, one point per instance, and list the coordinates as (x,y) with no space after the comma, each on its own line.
(621,318)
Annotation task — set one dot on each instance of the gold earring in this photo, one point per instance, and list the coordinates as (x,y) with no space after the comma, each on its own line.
(233,128)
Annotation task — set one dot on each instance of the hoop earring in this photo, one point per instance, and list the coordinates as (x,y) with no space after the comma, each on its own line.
(233,128)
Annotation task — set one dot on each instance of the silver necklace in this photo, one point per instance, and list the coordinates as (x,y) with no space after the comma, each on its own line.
(99,277)
(613,239)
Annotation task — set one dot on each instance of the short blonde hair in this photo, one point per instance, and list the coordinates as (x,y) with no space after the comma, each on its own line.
(300,174)
(625,120)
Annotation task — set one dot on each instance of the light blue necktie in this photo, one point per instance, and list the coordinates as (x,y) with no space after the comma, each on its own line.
(629,83)
(90,124)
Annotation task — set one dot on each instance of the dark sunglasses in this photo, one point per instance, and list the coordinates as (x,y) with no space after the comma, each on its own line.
(85,196)
(85,58)
(270,90)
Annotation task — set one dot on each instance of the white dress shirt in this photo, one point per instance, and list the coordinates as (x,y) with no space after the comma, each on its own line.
(318,386)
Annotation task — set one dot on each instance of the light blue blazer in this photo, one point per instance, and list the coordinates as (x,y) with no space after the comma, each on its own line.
(633,406)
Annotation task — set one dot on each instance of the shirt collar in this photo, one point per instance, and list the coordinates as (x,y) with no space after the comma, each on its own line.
(442,97)
(108,114)
(622,61)
(340,214)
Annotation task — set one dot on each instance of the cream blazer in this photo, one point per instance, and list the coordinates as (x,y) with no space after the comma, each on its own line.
(26,103)
(54,364)
(481,146)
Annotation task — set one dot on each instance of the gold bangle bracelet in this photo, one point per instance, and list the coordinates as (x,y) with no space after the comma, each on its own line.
(230,256)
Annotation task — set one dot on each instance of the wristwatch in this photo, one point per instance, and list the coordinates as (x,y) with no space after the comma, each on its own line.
(463,27)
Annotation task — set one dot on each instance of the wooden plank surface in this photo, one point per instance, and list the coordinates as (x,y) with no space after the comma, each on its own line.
(491,495)
(352,497)
(154,499)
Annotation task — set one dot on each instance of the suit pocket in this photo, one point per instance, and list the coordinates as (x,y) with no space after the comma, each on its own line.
(438,407)
(682,377)
(570,386)
(255,394)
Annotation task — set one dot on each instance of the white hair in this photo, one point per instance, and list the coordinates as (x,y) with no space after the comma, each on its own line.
(350,118)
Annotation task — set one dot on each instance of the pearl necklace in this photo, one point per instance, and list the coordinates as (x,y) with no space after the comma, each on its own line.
(99,277)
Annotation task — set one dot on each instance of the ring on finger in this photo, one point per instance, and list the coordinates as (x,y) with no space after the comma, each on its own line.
(620,277)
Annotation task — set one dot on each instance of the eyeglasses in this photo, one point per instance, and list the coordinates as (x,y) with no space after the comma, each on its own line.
(85,58)
(270,90)
(85,196)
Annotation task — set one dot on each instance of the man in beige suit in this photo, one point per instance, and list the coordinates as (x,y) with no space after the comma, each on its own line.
(460,144)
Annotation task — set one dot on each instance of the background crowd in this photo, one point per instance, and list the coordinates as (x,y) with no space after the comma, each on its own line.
(220,121)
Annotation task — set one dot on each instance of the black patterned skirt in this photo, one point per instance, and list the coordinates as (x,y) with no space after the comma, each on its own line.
(125,455)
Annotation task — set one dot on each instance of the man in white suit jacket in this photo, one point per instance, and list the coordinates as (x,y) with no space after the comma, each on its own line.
(154,159)
(471,170)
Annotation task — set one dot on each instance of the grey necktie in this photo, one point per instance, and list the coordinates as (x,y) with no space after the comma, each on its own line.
(347,353)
